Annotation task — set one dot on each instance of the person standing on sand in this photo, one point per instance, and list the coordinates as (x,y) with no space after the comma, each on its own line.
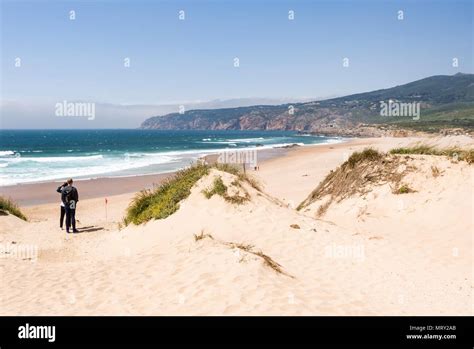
(63,208)
(70,197)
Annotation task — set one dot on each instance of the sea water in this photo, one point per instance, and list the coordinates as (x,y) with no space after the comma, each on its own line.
(44,155)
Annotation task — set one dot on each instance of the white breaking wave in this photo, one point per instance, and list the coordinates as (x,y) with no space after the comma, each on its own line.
(94,168)
(248,140)
(53,159)
(26,169)
(7,153)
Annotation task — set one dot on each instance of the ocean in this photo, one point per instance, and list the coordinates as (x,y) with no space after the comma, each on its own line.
(28,156)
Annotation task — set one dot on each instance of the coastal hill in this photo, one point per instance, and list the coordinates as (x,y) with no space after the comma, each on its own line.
(446,101)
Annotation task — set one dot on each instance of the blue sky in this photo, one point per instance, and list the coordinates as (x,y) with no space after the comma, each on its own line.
(175,61)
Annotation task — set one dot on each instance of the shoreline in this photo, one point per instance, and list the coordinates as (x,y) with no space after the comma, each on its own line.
(39,193)
(33,194)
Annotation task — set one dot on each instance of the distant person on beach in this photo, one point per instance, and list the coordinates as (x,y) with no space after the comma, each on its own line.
(70,197)
(63,209)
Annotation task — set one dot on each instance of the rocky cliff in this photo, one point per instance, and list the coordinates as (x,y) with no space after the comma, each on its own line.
(444,101)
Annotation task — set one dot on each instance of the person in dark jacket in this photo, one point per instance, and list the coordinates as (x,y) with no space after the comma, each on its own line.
(70,197)
(63,209)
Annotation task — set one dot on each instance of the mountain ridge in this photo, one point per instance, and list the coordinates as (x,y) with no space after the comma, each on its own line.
(445,101)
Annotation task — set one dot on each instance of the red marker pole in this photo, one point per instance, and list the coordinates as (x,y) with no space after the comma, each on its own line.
(106,209)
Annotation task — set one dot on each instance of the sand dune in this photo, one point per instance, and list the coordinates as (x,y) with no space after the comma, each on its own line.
(378,254)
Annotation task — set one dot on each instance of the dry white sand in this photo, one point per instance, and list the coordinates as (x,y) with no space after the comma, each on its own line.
(379,254)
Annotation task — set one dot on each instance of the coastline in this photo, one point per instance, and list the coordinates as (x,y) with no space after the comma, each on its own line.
(32,194)
(39,193)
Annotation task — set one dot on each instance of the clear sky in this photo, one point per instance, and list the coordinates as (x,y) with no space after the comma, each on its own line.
(175,61)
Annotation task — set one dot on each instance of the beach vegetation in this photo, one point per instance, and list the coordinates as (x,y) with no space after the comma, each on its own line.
(247,248)
(8,206)
(368,154)
(404,189)
(435,171)
(267,260)
(322,209)
(219,188)
(454,153)
(358,175)
(239,173)
(163,201)
(202,235)
(367,168)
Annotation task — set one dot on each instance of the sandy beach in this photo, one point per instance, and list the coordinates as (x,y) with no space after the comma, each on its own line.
(30,194)
(375,253)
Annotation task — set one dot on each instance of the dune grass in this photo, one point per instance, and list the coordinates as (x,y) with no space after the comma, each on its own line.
(164,200)
(202,235)
(373,167)
(435,171)
(368,154)
(267,260)
(347,179)
(237,171)
(356,176)
(455,153)
(9,206)
(219,188)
